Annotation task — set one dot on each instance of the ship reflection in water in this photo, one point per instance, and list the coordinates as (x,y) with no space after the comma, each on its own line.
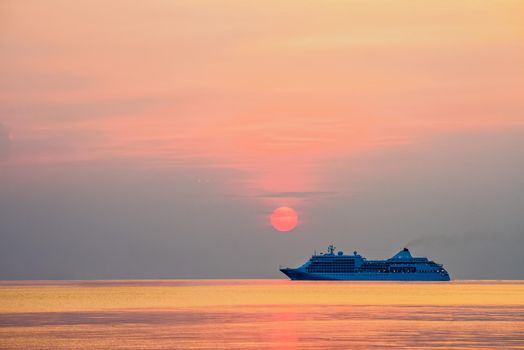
(261,314)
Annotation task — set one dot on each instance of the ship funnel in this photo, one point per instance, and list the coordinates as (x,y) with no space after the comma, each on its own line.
(403,254)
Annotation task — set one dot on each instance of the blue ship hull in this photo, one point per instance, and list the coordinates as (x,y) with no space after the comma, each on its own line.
(297,275)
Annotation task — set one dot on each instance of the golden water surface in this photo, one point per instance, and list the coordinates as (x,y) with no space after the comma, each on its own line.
(261,314)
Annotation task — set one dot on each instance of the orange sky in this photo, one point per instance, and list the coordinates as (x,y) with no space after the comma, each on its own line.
(271,88)
(153,139)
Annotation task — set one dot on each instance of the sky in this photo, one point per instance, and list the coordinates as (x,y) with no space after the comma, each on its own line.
(154,139)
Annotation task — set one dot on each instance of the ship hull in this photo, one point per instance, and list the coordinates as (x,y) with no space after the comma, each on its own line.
(298,275)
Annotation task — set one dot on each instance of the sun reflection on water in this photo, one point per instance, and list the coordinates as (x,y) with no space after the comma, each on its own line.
(260,314)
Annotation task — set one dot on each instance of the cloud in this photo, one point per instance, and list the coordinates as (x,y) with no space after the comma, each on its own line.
(304,194)
(5,142)
(89,109)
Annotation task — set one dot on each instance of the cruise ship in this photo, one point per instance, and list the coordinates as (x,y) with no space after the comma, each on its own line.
(339,266)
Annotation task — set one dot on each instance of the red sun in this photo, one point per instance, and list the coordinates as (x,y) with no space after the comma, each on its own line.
(284,219)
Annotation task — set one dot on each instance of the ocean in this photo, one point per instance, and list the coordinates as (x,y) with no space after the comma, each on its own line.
(261,314)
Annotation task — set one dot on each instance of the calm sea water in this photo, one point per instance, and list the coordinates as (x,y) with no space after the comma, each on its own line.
(261,314)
